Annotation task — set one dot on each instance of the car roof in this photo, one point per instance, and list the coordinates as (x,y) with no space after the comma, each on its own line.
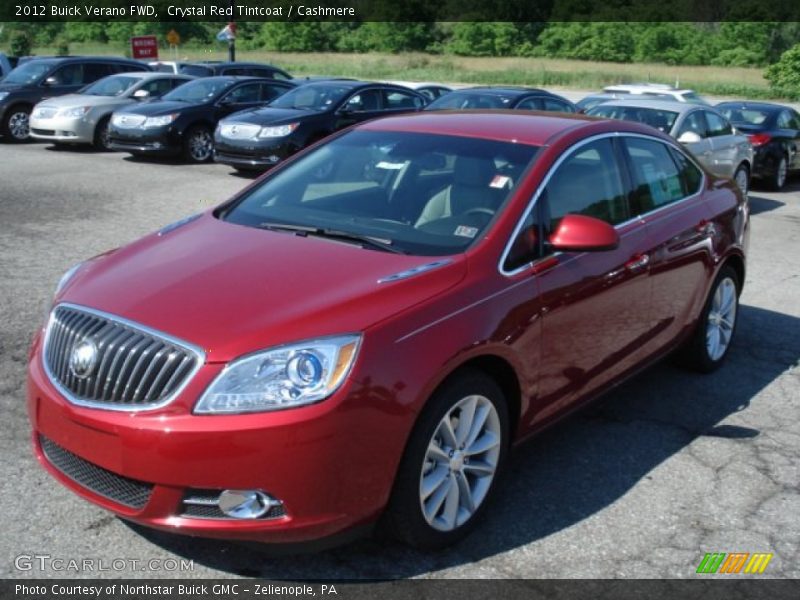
(757,105)
(240,78)
(77,58)
(504,90)
(657,104)
(526,127)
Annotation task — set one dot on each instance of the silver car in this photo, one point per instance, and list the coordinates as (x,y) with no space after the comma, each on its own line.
(704,131)
(83,118)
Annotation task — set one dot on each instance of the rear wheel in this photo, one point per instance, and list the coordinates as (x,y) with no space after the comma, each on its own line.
(709,345)
(451,464)
(742,178)
(102,137)
(778,179)
(16,124)
(198,146)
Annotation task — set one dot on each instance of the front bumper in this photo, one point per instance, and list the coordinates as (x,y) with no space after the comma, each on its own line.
(63,129)
(163,141)
(253,154)
(312,459)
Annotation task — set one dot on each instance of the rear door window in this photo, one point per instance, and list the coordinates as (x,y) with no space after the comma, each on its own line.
(556,105)
(530,104)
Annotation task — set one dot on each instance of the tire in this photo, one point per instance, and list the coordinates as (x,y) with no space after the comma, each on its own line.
(428,508)
(101,134)
(778,179)
(16,124)
(709,345)
(198,145)
(742,178)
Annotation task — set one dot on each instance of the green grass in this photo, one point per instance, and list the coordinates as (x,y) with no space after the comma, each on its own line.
(550,73)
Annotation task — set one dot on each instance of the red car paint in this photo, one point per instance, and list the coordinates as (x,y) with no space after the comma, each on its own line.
(556,335)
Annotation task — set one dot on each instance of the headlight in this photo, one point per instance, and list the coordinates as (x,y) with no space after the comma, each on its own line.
(277,131)
(65,278)
(4,95)
(283,377)
(160,121)
(77,111)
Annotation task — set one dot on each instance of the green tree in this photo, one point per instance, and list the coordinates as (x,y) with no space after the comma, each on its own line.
(470,38)
(784,75)
(20,43)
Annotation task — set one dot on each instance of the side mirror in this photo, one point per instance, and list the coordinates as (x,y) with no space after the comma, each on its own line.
(51,81)
(141,94)
(579,233)
(689,137)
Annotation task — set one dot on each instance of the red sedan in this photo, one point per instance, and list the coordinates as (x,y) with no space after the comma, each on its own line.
(362,334)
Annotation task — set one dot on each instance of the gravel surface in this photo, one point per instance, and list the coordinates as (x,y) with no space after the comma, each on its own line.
(672,465)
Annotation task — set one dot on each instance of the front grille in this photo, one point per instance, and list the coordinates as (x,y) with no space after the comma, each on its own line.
(100,360)
(43,131)
(239,131)
(203,504)
(125,491)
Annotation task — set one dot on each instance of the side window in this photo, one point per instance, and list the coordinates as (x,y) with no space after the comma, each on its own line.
(269,91)
(530,104)
(69,75)
(588,183)
(696,123)
(795,121)
(526,246)
(557,105)
(127,68)
(691,176)
(237,71)
(158,87)
(656,179)
(250,92)
(93,71)
(717,125)
(364,101)
(785,120)
(397,100)
(267,73)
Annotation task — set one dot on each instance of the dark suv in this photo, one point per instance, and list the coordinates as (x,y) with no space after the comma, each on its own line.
(211,69)
(42,78)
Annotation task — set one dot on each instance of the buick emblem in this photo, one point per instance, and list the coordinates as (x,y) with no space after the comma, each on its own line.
(83,359)
(234,129)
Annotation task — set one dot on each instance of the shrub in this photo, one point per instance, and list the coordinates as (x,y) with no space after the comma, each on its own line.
(784,75)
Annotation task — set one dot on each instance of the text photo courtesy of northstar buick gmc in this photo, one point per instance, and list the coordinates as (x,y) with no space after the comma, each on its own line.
(361,335)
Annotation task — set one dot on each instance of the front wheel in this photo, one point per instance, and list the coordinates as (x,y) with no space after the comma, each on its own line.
(16,125)
(778,179)
(451,464)
(708,347)
(199,145)
(742,179)
(102,136)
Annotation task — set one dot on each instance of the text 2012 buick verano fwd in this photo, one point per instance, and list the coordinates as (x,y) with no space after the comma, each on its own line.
(363,334)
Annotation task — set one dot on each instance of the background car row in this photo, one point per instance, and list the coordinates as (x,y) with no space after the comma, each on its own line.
(240,113)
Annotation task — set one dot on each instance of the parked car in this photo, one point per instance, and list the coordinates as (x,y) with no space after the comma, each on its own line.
(182,122)
(42,78)
(367,330)
(84,118)
(262,137)
(774,132)
(593,100)
(702,129)
(656,89)
(215,69)
(5,66)
(168,66)
(429,89)
(501,98)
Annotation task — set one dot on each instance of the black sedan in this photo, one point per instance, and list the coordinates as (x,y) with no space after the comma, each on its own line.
(183,121)
(212,68)
(774,132)
(260,138)
(502,97)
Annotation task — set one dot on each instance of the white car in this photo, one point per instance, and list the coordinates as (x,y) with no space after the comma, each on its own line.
(657,89)
(429,89)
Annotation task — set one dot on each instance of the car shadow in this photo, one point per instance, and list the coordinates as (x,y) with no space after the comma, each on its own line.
(76,148)
(762,205)
(563,476)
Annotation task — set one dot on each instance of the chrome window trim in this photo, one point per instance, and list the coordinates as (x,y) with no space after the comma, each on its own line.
(618,226)
(198,352)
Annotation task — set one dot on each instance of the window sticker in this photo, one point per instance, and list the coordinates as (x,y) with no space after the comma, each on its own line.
(500,181)
(466,231)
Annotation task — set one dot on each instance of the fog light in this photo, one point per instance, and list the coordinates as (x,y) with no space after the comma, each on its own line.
(273,159)
(245,504)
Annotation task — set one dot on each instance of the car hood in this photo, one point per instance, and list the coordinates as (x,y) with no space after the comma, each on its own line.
(270,116)
(72,100)
(160,107)
(232,289)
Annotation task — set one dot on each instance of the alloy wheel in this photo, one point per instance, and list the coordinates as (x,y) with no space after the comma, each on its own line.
(18,125)
(780,176)
(460,463)
(201,145)
(743,180)
(721,319)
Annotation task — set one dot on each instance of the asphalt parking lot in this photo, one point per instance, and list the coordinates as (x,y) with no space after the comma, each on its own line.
(643,484)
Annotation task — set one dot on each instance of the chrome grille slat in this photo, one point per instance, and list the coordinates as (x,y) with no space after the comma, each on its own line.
(131,367)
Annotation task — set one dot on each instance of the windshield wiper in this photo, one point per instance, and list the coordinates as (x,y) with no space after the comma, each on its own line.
(335,234)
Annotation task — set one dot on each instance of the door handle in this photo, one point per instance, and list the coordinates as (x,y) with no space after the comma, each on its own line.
(638,263)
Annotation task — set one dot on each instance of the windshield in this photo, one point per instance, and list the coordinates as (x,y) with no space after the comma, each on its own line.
(116,85)
(469,100)
(30,72)
(196,70)
(745,116)
(423,194)
(312,97)
(662,120)
(199,91)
